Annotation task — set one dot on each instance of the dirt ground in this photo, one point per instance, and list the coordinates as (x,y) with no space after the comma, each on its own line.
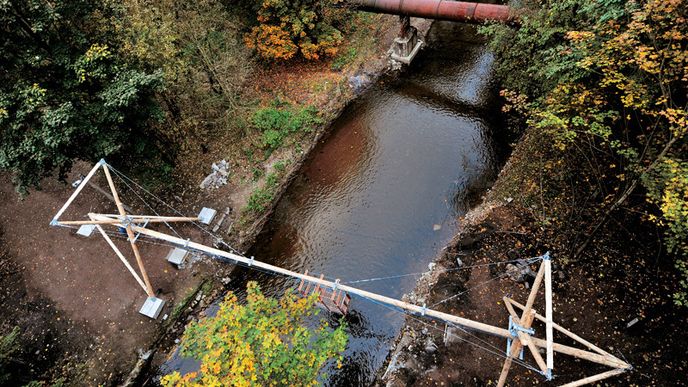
(71,296)
(595,298)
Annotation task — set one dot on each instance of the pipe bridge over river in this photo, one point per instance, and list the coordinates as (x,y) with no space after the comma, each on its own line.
(458,11)
(407,45)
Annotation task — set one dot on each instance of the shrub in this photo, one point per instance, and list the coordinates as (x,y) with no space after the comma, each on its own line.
(265,342)
(278,121)
(288,28)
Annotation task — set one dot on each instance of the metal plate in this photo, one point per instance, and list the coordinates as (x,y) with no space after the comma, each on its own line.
(177,256)
(86,230)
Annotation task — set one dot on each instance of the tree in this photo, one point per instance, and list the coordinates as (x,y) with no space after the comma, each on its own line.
(288,28)
(65,91)
(607,85)
(263,343)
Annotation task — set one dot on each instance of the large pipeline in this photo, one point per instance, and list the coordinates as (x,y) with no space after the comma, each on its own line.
(439,9)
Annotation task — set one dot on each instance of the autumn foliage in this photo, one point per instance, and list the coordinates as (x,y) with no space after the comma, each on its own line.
(287,29)
(603,86)
(266,342)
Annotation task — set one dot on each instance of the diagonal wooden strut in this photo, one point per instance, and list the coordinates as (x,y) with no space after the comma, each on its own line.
(523,337)
(130,233)
(548,314)
(121,257)
(570,334)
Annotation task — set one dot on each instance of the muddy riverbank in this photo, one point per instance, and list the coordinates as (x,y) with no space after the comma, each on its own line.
(612,303)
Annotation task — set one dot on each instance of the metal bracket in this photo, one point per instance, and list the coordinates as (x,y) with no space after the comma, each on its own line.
(250,262)
(514,329)
(138,234)
(546,257)
(423,310)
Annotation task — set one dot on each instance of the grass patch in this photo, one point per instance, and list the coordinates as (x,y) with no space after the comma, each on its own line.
(344,58)
(263,196)
(278,121)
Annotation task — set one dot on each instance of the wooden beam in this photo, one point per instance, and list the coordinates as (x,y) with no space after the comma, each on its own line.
(511,310)
(549,333)
(122,258)
(130,233)
(151,218)
(76,192)
(567,332)
(83,222)
(534,290)
(595,378)
(463,322)
(582,354)
(466,323)
(110,220)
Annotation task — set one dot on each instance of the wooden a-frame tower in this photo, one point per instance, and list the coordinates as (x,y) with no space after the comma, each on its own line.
(122,220)
(519,334)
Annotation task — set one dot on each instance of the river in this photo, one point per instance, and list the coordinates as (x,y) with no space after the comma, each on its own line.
(380,195)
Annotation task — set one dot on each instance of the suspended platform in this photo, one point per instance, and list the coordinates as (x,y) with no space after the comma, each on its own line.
(333,300)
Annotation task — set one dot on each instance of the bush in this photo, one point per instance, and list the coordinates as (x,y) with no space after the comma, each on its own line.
(265,342)
(261,198)
(605,81)
(288,28)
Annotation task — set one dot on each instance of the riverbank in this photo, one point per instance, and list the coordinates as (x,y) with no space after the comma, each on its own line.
(618,296)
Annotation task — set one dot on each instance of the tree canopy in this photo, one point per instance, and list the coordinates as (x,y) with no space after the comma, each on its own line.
(604,84)
(65,92)
(289,28)
(266,342)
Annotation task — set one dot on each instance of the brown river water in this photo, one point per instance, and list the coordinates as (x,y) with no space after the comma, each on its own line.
(379,197)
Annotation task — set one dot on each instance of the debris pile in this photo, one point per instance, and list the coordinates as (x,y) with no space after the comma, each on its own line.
(520,272)
(218,177)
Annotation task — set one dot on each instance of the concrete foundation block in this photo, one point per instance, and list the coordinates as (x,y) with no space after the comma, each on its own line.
(207,215)
(405,48)
(152,307)
(177,256)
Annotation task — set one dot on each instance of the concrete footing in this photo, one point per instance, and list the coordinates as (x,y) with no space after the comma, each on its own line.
(406,47)
(152,307)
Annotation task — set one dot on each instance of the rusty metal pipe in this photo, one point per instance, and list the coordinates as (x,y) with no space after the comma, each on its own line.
(439,9)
